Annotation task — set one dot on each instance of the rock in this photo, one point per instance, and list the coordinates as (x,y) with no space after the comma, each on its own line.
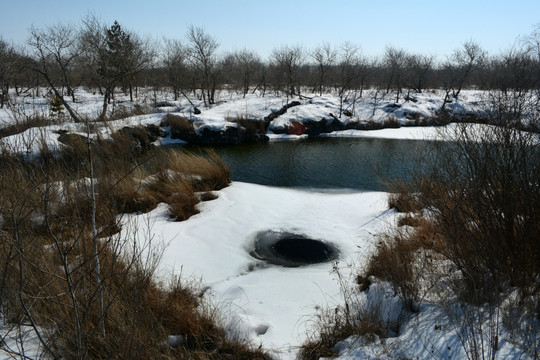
(314,128)
(196,110)
(391,107)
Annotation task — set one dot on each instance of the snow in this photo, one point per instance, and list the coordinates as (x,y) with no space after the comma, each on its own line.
(271,305)
(274,306)
(279,301)
(375,106)
(18,342)
(405,133)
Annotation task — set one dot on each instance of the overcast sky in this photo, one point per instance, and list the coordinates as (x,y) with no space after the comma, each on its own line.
(422,26)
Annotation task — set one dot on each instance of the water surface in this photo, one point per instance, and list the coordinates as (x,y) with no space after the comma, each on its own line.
(325,163)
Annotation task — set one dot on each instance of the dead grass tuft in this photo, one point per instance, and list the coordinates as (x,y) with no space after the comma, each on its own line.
(26,123)
(401,198)
(254,129)
(180,127)
(336,324)
(394,262)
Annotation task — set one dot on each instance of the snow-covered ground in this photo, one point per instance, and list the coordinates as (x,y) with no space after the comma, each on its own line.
(374,106)
(275,306)
(268,304)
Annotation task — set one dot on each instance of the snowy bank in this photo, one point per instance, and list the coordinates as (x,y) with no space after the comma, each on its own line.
(268,304)
(312,115)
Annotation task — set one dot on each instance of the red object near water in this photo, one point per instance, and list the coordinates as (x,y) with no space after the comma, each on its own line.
(297,128)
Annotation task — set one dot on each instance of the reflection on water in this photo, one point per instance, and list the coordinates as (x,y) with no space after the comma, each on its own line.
(329,163)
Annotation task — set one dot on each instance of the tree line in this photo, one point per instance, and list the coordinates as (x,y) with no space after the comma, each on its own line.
(107,58)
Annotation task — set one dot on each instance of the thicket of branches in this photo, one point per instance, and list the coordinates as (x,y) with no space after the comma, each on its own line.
(78,277)
(108,57)
(467,242)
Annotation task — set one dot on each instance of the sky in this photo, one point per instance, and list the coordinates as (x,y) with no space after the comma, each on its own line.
(419,26)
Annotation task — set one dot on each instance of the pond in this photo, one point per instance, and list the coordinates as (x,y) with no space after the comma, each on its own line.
(330,164)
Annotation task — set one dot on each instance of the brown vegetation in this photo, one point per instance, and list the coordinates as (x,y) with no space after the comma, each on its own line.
(22,125)
(48,277)
(472,237)
(180,127)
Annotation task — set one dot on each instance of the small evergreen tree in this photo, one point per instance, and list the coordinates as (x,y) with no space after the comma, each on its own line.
(56,106)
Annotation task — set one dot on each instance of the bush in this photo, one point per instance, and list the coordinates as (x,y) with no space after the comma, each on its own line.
(180,127)
(254,129)
(47,263)
(484,196)
(25,124)
(391,122)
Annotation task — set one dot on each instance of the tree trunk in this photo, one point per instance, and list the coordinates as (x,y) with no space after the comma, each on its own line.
(101,320)
(106,99)
(2,97)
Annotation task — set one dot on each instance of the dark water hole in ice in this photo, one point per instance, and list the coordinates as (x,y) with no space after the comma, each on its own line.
(291,250)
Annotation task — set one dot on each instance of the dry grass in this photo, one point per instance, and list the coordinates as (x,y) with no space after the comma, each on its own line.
(207,196)
(391,122)
(26,123)
(180,127)
(401,198)
(48,272)
(404,260)
(122,111)
(134,177)
(335,324)
(253,128)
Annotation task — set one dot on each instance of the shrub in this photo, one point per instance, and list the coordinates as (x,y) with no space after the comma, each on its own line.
(180,127)
(482,196)
(391,122)
(253,128)
(24,124)
(402,198)
(48,270)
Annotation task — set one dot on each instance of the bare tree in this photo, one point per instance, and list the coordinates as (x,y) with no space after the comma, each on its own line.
(6,61)
(459,68)
(395,60)
(113,56)
(55,54)
(203,56)
(288,60)
(249,62)
(175,56)
(325,57)
(418,68)
(349,69)
(532,42)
